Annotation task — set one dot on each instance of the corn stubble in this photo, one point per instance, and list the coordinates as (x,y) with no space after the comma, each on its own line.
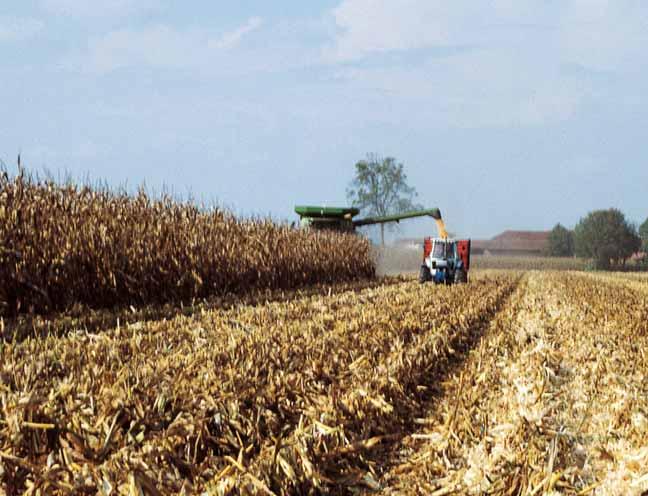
(291,397)
(533,384)
(553,401)
(65,245)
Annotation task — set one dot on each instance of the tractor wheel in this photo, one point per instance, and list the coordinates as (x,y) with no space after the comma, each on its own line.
(460,276)
(424,274)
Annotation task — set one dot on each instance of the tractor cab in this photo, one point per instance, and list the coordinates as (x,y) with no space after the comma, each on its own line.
(442,249)
(445,260)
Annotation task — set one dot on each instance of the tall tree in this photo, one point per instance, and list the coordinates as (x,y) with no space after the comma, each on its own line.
(561,242)
(607,237)
(380,187)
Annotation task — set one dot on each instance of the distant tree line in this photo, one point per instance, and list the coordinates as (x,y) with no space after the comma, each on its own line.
(604,236)
(380,187)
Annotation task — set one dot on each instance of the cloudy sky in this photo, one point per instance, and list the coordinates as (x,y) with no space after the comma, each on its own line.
(506,113)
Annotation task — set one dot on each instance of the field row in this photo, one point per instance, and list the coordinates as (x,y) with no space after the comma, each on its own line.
(513,384)
(284,397)
(96,320)
(554,400)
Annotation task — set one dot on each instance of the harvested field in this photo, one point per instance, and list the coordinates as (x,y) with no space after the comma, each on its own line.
(554,400)
(528,263)
(517,383)
(80,317)
(287,396)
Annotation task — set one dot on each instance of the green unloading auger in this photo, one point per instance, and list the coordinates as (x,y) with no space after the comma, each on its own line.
(341,218)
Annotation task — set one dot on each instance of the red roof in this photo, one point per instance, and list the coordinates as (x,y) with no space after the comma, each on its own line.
(531,241)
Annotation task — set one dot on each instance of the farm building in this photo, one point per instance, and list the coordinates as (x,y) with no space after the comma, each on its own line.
(513,243)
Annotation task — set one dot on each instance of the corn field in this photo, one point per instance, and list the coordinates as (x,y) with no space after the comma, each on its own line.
(516,383)
(166,349)
(65,245)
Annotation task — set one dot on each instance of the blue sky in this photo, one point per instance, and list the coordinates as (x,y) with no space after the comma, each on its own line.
(508,114)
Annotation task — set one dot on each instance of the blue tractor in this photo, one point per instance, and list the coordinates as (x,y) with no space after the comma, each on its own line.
(445,261)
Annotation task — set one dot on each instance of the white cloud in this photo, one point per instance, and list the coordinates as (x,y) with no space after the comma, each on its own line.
(597,33)
(481,88)
(17,29)
(511,70)
(231,39)
(367,26)
(97,8)
(159,47)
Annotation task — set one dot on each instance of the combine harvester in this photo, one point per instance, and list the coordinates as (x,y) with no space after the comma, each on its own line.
(341,218)
(445,260)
